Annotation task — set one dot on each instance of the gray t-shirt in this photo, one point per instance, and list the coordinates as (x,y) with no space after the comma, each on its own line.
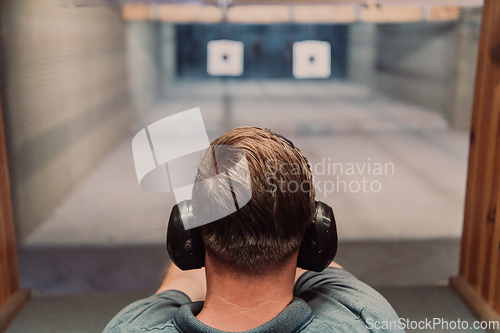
(330,301)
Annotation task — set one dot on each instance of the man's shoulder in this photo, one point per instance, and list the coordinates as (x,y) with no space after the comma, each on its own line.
(154,313)
(342,303)
(335,286)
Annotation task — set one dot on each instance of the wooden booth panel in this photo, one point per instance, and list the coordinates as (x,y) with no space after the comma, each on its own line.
(11,297)
(480,252)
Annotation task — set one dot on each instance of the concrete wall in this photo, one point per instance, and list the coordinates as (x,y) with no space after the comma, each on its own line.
(151,49)
(65,94)
(168,54)
(428,64)
(362,53)
(144,66)
(466,50)
(414,63)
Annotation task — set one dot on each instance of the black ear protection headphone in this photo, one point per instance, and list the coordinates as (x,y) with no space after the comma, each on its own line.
(317,251)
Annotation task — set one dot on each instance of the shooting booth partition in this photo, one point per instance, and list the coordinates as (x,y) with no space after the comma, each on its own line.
(479,278)
(12,297)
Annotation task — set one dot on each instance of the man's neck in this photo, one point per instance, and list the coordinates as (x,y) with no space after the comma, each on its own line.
(238,304)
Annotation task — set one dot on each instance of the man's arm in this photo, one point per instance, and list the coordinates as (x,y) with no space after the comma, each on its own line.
(301,271)
(145,314)
(192,283)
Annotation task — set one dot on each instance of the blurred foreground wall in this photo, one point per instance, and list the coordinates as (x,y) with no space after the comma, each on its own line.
(65,98)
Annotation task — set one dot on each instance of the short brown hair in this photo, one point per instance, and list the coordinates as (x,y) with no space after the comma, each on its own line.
(260,236)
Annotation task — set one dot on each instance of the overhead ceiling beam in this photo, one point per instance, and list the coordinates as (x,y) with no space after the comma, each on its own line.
(459,3)
(258,14)
(190,13)
(446,3)
(324,14)
(262,14)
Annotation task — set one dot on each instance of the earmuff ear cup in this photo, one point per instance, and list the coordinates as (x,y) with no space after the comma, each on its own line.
(185,247)
(319,246)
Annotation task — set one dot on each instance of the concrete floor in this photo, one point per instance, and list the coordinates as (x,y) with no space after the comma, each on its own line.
(420,195)
(108,235)
(92,269)
(293,107)
(410,274)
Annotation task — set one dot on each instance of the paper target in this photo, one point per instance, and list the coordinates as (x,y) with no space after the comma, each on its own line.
(311,59)
(225,58)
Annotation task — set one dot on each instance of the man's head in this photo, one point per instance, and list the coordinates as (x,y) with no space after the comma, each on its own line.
(263,234)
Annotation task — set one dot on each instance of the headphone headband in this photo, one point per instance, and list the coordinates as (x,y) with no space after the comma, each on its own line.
(284,139)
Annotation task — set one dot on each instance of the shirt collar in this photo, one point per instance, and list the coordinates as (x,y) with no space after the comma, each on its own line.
(293,318)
